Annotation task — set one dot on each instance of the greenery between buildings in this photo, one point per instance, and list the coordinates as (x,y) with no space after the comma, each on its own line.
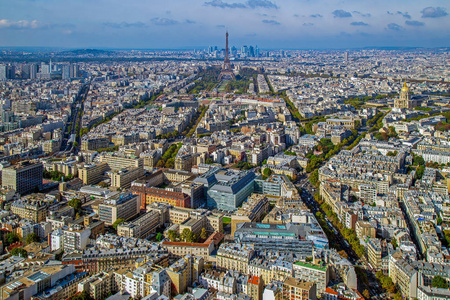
(209,79)
(56,175)
(19,252)
(117,223)
(168,158)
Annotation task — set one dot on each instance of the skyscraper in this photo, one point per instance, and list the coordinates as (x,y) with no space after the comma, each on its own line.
(65,72)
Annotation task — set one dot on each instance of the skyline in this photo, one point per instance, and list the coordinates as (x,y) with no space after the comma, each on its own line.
(291,24)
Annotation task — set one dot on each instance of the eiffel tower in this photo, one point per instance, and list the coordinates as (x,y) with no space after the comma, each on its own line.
(227,72)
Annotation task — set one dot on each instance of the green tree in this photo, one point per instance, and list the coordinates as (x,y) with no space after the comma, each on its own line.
(191,237)
(366,294)
(204,234)
(173,235)
(419,172)
(19,252)
(439,220)
(209,161)
(31,238)
(314,177)
(117,223)
(267,172)
(418,160)
(159,237)
(76,204)
(184,234)
(11,238)
(439,282)
(394,243)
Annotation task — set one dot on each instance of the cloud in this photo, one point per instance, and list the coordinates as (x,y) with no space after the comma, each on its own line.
(23,24)
(433,12)
(190,21)
(261,3)
(125,25)
(339,13)
(361,14)
(316,16)
(271,22)
(359,24)
(253,4)
(163,21)
(395,27)
(221,4)
(403,14)
(414,23)
(308,24)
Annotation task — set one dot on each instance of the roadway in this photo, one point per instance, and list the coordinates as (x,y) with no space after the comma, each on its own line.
(77,108)
(307,190)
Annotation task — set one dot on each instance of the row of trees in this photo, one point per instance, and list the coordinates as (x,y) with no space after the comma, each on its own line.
(328,149)
(190,129)
(388,285)
(348,234)
(168,158)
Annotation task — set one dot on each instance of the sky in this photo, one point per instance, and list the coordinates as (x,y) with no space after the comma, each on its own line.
(187,24)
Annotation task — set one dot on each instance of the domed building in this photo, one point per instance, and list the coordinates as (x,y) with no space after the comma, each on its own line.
(404,101)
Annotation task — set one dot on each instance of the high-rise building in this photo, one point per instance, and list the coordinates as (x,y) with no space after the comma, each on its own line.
(3,72)
(65,69)
(7,72)
(23,177)
(74,70)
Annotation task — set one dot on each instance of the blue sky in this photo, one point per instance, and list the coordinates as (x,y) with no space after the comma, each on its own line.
(299,24)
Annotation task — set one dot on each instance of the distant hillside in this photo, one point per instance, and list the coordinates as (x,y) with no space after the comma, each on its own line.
(86,52)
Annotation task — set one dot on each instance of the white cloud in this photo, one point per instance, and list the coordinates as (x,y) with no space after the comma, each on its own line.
(22,24)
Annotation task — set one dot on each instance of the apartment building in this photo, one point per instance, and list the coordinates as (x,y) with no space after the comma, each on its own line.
(142,227)
(94,143)
(99,286)
(23,177)
(33,210)
(252,210)
(120,161)
(124,177)
(312,273)
(295,289)
(203,250)
(235,256)
(148,195)
(123,206)
(184,272)
(92,173)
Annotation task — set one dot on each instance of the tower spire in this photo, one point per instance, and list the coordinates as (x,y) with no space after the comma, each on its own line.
(226,72)
(226,47)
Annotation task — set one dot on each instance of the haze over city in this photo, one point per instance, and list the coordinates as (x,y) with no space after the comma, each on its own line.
(179,24)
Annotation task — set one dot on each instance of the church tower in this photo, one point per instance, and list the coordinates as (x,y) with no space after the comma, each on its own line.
(404,101)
